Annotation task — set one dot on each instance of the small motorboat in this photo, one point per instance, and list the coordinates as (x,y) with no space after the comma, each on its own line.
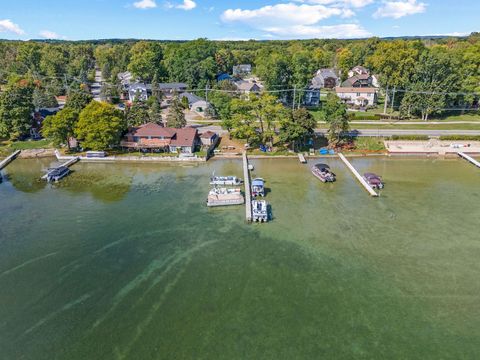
(374,181)
(258,187)
(323,173)
(259,211)
(56,174)
(225,180)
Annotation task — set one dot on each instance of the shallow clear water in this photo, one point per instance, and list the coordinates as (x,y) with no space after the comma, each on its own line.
(126,262)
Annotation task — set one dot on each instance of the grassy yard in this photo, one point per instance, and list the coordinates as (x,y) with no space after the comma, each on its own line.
(407,126)
(7,147)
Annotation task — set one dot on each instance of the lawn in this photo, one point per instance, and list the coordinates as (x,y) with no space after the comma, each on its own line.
(406,126)
(7,147)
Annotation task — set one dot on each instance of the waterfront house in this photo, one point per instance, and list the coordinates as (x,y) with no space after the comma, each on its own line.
(209,139)
(155,137)
(326,78)
(357,96)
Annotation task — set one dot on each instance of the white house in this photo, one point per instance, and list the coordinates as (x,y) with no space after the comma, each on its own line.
(137,92)
(357,96)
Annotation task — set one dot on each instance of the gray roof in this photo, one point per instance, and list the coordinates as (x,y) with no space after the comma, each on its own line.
(172,86)
(192,98)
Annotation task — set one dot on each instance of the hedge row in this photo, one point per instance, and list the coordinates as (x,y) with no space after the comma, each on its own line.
(460,138)
(410,137)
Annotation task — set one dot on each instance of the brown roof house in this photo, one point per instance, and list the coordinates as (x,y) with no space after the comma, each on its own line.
(152,136)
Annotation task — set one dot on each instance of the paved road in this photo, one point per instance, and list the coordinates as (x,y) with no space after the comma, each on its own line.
(373,132)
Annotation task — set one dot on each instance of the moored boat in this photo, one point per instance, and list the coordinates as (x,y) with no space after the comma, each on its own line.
(224,197)
(258,187)
(323,173)
(225,180)
(56,174)
(259,211)
(374,181)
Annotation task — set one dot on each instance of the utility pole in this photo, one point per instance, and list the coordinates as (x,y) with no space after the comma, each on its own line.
(386,101)
(294,96)
(206,92)
(393,97)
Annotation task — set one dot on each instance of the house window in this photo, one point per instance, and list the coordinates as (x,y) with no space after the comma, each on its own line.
(358,94)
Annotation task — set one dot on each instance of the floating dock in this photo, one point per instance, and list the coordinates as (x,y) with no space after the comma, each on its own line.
(248,189)
(358,176)
(9,159)
(302,159)
(469,159)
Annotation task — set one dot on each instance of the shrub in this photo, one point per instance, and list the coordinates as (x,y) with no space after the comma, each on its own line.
(410,137)
(460,138)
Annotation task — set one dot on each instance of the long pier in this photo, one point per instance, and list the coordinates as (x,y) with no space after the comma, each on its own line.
(358,176)
(9,159)
(248,189)
(469,159)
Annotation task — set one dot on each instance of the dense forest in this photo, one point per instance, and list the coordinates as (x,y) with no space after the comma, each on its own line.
(428,76)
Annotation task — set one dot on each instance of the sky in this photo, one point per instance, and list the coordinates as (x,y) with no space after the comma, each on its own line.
(235,19)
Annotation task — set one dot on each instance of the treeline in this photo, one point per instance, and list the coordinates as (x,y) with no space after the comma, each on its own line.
(427,76)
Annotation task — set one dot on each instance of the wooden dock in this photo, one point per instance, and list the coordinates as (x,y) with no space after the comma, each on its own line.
(71,162)
(248,189)
(358,176)
(469,159)
(302,159)
(9,159)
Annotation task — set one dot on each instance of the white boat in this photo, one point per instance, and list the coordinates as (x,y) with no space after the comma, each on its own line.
(225,180)
(259,211)
(258,187)
(56,174)
(224,197)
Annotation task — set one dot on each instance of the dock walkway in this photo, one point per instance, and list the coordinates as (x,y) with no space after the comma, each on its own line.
(302,159)
(358,176)
(469,158)
(9,159)
(248,189)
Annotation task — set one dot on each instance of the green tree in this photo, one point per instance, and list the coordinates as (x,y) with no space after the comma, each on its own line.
(297,127)
(434,77)
(336,116)
(42,98)
(100,126)
(155,110)
(137,113)
(16,107)
(78,100)
(60,127)
(146,60)
(176,115)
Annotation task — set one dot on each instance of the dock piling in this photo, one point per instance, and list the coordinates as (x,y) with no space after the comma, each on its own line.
(9,159)
(358,176)
(248,189)
(469,159)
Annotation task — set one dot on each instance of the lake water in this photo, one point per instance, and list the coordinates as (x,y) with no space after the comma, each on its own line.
(126,262)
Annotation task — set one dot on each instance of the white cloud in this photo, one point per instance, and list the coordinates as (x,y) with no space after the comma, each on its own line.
(145,4)
(283,15)
(398,9)
(293,20)
(187,5)
(342,31)
(8,26)
(341,3)
(47,34)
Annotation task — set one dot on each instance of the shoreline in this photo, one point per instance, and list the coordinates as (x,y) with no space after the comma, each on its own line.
(50,153)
